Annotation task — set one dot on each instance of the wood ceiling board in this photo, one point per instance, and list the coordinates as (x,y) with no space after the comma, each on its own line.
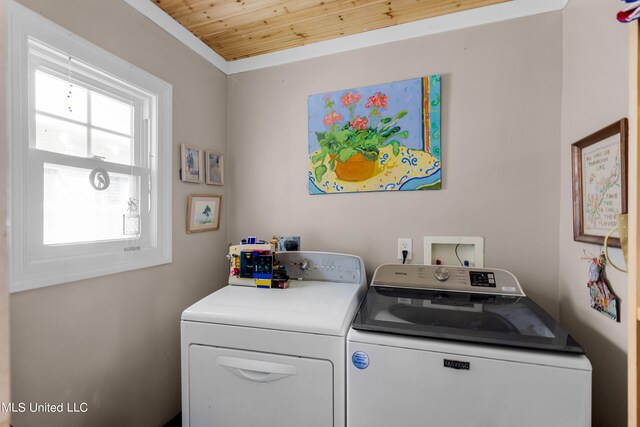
(238,29)
(240,46)
(208,27)
(341,20)
(320,12)
(218,8)
(304,32)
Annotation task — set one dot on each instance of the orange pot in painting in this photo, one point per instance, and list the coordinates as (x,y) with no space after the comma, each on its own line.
(357,168)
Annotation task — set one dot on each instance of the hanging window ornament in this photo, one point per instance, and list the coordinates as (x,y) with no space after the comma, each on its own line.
(132,205)
(130,225)
(70,86)
(131,220)
(99,179)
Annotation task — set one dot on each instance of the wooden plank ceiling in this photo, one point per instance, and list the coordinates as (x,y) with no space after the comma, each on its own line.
(238,29)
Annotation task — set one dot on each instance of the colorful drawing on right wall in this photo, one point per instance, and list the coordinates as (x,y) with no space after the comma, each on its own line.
(377,138)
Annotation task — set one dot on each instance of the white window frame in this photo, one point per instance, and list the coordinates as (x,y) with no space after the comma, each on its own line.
(32,264)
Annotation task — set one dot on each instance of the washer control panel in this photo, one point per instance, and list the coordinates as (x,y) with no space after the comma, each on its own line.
(323,266)
(448,277)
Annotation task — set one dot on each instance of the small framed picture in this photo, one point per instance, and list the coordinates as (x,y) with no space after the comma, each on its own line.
(214,168)
(191,163)
(203,212)
(599,175)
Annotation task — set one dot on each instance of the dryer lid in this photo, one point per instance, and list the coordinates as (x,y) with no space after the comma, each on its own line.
(325,308)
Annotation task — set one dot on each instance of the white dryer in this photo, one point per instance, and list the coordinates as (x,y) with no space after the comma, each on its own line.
(456,346)
(273,357)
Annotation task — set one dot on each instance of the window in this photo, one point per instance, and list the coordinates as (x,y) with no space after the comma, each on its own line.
(90,158)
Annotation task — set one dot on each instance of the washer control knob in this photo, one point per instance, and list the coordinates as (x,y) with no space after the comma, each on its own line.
(304,265)
(442,274)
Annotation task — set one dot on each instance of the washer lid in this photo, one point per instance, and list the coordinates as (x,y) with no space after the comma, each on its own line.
(306,306)
(490,319)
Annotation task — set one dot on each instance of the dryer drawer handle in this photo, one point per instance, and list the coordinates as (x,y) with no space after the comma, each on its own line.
(256,370)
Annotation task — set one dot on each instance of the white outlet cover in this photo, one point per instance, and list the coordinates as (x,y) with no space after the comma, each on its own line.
(405,242)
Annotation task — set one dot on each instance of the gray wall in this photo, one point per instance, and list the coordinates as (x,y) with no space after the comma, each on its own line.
(595,93)
(501,86)
(113,342)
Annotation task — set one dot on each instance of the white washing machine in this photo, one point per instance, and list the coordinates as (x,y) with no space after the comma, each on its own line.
(456,346)
(273,357)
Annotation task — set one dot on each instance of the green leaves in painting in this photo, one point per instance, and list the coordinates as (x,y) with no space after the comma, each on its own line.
(320,156)
(319,171)
(372,155)
(346,153)
(395,144)
(364,135)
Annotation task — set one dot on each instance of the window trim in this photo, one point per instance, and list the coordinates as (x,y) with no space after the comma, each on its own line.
(27,273)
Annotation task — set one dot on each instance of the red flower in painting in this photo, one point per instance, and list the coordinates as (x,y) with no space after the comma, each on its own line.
(359,123)
(350,98)
(379,100)
(332,118)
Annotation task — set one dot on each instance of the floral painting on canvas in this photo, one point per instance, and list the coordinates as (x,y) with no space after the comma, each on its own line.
(377,138)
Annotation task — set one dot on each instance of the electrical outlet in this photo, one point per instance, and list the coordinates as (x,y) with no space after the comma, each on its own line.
(405,244)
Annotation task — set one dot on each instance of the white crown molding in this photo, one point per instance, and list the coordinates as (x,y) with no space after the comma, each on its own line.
(465,19)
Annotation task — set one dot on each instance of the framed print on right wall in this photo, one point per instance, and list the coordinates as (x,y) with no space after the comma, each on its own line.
(599,172)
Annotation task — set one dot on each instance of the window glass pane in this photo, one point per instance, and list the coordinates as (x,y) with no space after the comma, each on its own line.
(114,148)
(75,212)
(111,114)
(60,136)
(60,98)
